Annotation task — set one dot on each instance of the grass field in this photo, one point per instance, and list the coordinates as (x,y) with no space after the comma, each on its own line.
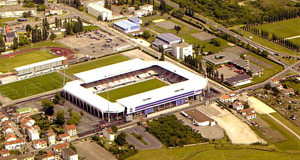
(8,64)
(2,20)
(32,86)
(286,28)
(208,152)
(133,89)
(267,43)
(96,63)
(42,44)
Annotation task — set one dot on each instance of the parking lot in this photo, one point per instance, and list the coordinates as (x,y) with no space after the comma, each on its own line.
(95,43)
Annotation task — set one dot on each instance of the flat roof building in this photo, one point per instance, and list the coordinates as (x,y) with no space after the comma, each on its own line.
(126,26)
(97,9)
(238,80)
(166,40)
(199,118)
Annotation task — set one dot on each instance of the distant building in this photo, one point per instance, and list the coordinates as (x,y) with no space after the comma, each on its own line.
(126,26)
(49,156)
(227,98)
(248,113)
(64,137)
(60,147)
(24,110)
(19,13)
(109,134)
(181,50)
(4,153)
(166,40)
(97,9)
(199,118)
(287,92)
(10,137)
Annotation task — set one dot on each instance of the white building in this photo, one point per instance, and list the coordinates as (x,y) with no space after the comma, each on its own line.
(39,144)
(71,130)
(69,154)
(143,10)
(166,40)
(8,14)
(51,137)
(109,134)
(199,119)
(33,133)
(10,137)
(97,9)
(126,26)
(42,67)
(64,137)
(238,105)
(181,50)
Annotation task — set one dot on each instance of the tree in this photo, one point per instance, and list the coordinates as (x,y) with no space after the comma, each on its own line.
(57,98)
(60,117)
(267,86)
(100,18)
(246,105)
(15,43)
(106,5)
(162,58)
(28,28)
(265,53)
(146,34)
(48,107)
(74,118)
(52,36)
(114,128)
(2,43)
(121,139)
(222,77)
(177,28)
(275,91)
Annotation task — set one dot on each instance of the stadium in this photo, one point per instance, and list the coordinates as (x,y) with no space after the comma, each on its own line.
(133,88)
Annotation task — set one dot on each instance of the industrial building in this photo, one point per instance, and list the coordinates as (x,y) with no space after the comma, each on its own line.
(97,9)
(181,50)
(84,91)
(126,26)
(166,40)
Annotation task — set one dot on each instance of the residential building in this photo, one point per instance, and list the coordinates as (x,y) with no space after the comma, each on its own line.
(248,110)
(71,130)
(39,144)
(238,105)
(144,10)
(109,134)
(7,127)
(226,98)
(181,50)
(287,92)
(33,133)
(166,40)
(10,137)
(64,137)
(17,144)
(51,137)
(26,156)
(60,147)
(49,156)
(69,154)
(4,153)
(10,37)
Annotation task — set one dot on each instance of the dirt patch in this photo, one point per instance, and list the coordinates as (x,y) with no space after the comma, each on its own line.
(203,36)
(92,151)
(136,53)
(167,25)
(236,50)
(259,106)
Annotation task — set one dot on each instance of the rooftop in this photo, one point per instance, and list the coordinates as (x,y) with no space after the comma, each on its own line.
(134,19)
(238,78)
(125,24)
(169,37)
(198,116)
(221,58)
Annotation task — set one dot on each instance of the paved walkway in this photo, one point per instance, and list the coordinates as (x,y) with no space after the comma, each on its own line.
(286,127)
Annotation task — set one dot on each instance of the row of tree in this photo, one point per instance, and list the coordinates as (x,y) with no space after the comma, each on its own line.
(72,3)
(73,26)
(273,37)
(194,63)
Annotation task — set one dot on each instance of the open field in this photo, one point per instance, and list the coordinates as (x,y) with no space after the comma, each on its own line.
(42,44)
(285,29)
(93,151)
(8,64)
(133,89)
(207,151)
(32,86)
(259,106)
(96,63)
(2,20)
(267,43)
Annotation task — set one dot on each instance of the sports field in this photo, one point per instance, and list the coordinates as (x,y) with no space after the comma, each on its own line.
(133,89)
(286,28)
(7,64)
(96,63)
(32,86)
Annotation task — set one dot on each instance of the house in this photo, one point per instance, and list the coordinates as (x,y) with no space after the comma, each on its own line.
(64,137)
(69,154)
(60,147)
(146,7)
(26,156)
(109,134)
(274,81)
(287,92)
(10,36)
(3,119)
(51,137)
(238,105)
(166,40)
(7,127)
(4,153)
(130,10)
(97,9)
(250,116)
(199,119)
(226,98)
(248,113)
(71,130)
(49,156)
(182,50)
(17,144)
(33,133)
(39,144)
(10,137)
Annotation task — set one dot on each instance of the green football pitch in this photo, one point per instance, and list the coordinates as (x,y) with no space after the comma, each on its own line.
(96,63)
(132,89)
(8,64)
(32,86)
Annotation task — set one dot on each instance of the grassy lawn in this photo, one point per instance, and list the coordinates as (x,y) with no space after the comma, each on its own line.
(291,84)
(2,20)
(286,122)
(207,151)
(42,44)
(133,89)
(292,143)
(90,28)
(32,86)
(8,64)
(295,40)
(267,43)
(286,28)
(96,63)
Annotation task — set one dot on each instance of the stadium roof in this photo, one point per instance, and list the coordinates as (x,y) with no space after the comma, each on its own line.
(125,24)
(176,89)
(169,37)
(40,63)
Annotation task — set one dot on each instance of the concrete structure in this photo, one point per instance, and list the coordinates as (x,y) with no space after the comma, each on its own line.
(97,9)
(181,50)
(166,40)
(199,119)
(126,26)
(109,134)
(38,68)
(83,91)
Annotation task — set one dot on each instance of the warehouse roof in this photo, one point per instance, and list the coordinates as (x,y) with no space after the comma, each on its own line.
(169,37)
(125,24)
(40,63)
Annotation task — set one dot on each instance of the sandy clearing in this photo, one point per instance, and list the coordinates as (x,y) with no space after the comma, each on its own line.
(238,131)
(259,106)
(136,53)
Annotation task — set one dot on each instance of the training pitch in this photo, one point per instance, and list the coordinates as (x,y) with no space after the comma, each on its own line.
(7,64)
(132,89)
(32,86)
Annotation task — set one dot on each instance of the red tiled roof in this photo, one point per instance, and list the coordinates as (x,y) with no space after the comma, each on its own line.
(70,127)
(15,142)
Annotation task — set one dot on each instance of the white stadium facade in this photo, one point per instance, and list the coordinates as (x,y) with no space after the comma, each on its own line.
(182,87)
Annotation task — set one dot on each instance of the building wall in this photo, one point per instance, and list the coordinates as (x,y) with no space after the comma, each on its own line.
(105,14)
